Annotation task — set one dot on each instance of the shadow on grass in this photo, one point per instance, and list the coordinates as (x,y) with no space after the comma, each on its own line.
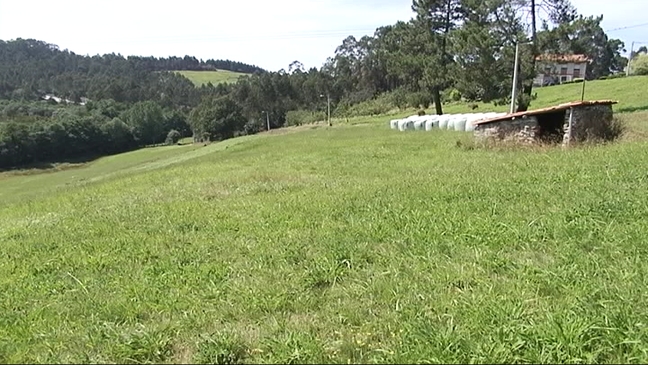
(74,162)
(632,109)
(47,166)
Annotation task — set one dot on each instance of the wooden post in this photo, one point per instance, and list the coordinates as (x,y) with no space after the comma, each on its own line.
(571,121)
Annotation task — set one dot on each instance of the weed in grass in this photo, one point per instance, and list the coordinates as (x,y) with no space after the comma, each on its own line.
(221,348)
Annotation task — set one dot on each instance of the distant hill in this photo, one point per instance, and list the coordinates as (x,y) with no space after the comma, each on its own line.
(215,77)
(30,68)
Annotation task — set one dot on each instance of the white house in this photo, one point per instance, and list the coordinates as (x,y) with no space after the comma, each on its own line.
(556,68)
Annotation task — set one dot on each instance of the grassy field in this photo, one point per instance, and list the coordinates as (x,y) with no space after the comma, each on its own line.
(347,244)
(624,90)
(215,77)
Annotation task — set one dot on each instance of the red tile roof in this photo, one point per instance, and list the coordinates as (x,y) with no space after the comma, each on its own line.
(551,109)
(563,58)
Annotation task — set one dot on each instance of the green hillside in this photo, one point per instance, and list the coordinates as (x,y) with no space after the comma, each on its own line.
(215,77)
(355,243)
(630,92)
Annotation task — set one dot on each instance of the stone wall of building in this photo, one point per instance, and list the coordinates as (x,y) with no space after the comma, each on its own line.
(518,130)
(589,122)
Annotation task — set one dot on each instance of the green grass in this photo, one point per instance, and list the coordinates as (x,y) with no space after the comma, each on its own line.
(625,90)
(348,244)
(215,77)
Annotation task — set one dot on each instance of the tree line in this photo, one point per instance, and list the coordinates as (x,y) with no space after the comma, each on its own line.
(451,50)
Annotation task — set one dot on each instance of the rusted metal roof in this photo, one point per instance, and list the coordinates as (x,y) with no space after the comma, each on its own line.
(563,58)
(550,109)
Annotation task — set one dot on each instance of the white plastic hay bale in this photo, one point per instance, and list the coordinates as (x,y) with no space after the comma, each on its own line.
(419,124)
(460,123)
(451,121)
(432,122)
(443,122)
(402,124)
(393,124)
(407,123)
(470,122)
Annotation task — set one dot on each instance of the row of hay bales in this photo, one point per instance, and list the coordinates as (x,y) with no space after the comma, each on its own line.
(456,122)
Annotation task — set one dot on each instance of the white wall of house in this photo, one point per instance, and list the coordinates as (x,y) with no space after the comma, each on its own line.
(561,72)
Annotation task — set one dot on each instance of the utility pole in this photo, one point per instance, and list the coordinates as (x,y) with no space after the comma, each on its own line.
(267,119)
(515,76)
(328,107)
(630,59)
(584,81)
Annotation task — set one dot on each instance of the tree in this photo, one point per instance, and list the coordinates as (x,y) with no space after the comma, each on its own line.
(173,137)
(118,136)
(482,68)
(436,19)
(219,118)
(147,120)
(295,66)
(555,12)
(640,65)
(637,53)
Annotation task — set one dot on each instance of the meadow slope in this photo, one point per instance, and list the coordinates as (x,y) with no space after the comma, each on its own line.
(347,244)
(200,78)
(626,90)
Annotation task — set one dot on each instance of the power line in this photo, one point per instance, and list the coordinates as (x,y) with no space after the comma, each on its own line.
(251,36)
(629,27)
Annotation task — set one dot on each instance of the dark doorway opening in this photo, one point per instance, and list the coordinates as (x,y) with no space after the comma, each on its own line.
(550,127)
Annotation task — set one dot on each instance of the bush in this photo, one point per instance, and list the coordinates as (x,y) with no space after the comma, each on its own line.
(299,117)
(577,80)
(173,137)
(617,75)
(253,126)
(396,98)
(640,65)
(454,95)
(419,99)
(380,105)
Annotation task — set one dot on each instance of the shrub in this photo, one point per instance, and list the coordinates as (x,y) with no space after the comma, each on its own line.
(380,105)
(640,65)
(299,117)
(613,130)
(419,99)
(173,137)
(454,95)
(617,75)
(397,98)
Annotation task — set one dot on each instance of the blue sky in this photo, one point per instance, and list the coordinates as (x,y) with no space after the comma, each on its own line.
(270,34)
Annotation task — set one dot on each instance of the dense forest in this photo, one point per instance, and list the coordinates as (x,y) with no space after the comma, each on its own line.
(56,105)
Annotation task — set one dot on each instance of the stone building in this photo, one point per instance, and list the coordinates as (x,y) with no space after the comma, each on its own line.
(564,123)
